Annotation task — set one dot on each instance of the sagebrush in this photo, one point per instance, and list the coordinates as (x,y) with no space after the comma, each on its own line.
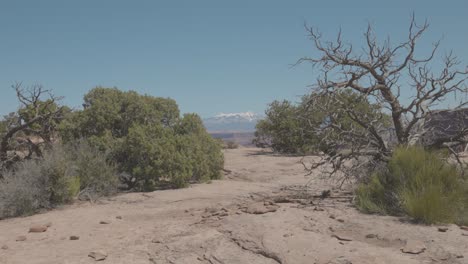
(419,183)
(60,176)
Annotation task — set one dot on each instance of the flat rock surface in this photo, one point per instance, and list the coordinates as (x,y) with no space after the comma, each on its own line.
(414,247)
(259,213)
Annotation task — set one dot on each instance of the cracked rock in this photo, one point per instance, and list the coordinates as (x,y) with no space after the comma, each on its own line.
(260,208)
(414,247)
(98,255)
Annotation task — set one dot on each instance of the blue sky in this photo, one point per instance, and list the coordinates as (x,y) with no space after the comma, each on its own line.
(210,56)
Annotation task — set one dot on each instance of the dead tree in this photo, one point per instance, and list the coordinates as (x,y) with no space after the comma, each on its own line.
(394,79)
(31,126)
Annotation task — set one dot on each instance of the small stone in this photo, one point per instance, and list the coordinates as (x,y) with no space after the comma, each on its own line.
(340,220)
(463,234)
(104,222)
(74,237)
(49,224)
(38,229)
(332,216)
(464,228)
(414,247)
(442,229)
(4,247)
(98,255)
(21,238)
(119,217)
(371,236)
(156,241)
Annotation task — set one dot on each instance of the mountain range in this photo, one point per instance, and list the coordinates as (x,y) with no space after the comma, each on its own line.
(232,122)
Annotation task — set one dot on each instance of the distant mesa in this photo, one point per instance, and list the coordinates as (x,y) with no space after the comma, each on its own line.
(236,127)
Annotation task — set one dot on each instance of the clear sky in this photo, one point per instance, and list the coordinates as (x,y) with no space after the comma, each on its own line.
(211,56)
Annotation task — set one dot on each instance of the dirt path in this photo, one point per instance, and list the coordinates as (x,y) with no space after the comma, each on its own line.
(261,213)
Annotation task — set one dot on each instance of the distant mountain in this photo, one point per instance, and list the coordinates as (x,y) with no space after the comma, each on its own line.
(232,122)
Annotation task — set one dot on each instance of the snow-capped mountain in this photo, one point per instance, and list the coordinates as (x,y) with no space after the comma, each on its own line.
(232,122)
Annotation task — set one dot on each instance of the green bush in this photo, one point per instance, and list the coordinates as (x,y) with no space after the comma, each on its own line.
(149,154)
(283,129)
(155,156)
(231,145)
(97,177)
(418,183)
(57,167)
(145,137)
(301,128)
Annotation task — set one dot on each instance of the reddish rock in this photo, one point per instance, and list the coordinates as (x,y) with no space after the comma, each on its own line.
(442,229)
(38,229)
(21,238)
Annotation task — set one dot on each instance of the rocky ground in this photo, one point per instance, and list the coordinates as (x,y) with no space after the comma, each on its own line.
(262,212)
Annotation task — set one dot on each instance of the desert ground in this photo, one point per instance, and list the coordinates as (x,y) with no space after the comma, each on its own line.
(264,211)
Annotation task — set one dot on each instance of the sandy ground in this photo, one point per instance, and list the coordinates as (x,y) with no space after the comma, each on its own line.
(260,213)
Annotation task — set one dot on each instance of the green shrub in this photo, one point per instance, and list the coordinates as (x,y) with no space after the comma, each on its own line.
(155,156)
(146,139)
(97,177)
(301,128)
(57,167)
(231,145)
(418,183)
